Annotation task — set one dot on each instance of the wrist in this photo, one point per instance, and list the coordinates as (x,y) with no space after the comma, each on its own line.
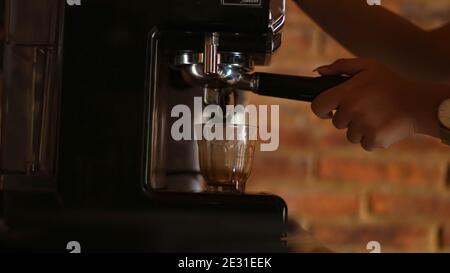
(427,120)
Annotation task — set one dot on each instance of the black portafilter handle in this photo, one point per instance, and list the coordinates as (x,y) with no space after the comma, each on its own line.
(295,87)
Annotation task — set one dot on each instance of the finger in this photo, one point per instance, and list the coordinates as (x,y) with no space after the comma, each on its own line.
(355,132)
(341,119)
(323,67)
(330,100)
(367,143)
(344,67)
(324,105)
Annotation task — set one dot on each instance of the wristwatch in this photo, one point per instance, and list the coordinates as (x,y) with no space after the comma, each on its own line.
(444,120)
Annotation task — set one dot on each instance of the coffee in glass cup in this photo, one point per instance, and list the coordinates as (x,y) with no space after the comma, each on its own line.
(226,163)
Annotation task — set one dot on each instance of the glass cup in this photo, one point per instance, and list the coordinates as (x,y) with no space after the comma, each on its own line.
(226,163)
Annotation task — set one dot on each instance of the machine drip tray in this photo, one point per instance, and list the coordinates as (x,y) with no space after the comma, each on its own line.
(166,223)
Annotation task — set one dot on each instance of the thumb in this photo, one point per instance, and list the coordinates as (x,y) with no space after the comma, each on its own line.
(349,67)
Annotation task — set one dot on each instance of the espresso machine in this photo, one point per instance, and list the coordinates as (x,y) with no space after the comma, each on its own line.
(85,147)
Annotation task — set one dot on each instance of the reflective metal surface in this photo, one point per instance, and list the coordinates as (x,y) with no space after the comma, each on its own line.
(231,74)
(211,57)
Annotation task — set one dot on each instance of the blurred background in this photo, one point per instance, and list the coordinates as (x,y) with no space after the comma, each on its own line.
(343,195)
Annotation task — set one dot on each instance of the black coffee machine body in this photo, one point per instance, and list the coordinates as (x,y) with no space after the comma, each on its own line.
(86,152)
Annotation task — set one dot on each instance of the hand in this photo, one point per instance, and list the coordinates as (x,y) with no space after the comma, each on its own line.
(378,106)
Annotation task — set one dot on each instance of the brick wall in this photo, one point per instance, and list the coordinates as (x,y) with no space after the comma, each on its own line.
(344,196)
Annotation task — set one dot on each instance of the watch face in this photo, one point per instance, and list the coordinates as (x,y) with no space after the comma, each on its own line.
(444,113)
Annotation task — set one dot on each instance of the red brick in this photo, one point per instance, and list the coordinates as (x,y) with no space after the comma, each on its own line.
(421,144)
(295,138)
(370,172)
(444,237)
(335,139)
(295,127)
(318,203)
(402,237)
(271,166)
(417,206)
